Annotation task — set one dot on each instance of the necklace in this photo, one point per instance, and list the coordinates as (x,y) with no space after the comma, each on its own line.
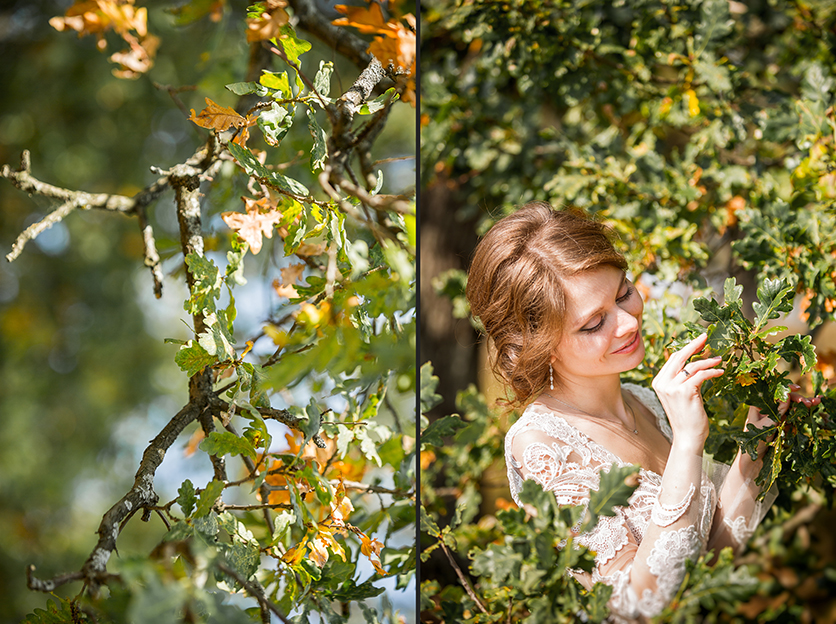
(577,409)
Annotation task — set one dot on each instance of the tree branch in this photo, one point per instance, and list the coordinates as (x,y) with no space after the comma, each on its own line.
(149,246)
(340,39)
(36,584)
(141,494)
(465,582)
(26,182)
(286,418)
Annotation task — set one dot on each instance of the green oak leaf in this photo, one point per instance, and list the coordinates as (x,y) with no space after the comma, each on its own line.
(220,443)
(208,497)
(193,358)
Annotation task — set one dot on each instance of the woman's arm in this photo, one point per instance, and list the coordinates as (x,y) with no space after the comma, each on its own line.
(738,511)
(648,575)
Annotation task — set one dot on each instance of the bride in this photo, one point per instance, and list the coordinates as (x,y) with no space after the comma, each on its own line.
(565,321)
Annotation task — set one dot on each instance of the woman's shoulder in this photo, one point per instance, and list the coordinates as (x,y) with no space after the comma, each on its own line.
(536,420)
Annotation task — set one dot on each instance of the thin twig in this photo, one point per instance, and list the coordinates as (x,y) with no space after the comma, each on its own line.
(255,507)
(467,586)
(255,590)
(36,584)
(149,245)
(173,91)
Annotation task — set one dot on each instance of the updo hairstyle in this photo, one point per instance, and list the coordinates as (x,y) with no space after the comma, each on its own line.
(515,287)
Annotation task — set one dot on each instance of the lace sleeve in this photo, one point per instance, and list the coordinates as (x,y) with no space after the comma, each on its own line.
(739,512)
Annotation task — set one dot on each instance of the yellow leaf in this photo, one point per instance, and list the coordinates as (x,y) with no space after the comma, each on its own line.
(217,117)
(319,551)
(294,555)
(693,103)
(746,379)
(278,336)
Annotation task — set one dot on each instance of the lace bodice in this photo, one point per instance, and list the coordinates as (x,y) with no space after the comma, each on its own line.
(543,446)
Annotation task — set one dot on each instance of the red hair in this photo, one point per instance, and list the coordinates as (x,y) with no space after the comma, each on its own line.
(515,286)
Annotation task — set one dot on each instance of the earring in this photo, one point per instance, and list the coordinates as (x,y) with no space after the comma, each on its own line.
(551,378)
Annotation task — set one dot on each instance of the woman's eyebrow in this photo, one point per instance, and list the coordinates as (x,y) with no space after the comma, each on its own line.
(589,316)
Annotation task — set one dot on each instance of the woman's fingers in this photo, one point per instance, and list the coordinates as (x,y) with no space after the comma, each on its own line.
(697,365)
(698,377)
(690,349)
(679,359)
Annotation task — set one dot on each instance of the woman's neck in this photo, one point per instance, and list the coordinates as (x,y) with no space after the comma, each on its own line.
(597,397)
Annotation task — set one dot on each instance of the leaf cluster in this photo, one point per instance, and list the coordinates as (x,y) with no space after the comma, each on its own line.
(800,443)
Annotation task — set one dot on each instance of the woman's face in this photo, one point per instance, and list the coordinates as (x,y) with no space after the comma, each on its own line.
(602,334)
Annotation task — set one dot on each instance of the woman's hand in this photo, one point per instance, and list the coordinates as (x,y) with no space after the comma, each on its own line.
(678,387)
(759,421)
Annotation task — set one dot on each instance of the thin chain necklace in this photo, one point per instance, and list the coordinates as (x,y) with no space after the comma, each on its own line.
(577,409)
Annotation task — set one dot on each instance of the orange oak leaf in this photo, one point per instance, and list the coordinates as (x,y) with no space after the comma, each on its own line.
(369,21)
(194,442)
(269,23)
(371,548)
(217,117)
(290,275)
(98,16)
(399,50)
(394,44)
(254,224)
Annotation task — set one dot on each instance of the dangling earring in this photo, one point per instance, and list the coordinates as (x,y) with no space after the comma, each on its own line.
(551,377)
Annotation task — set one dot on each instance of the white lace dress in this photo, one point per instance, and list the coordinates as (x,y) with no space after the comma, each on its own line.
(543,446)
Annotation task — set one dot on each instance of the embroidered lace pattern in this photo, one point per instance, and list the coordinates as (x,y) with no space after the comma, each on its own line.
(665,515)
(667,563)
(607,539)
(740,529)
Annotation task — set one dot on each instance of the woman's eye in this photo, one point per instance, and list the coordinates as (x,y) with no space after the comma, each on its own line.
(626,295)
(594,329)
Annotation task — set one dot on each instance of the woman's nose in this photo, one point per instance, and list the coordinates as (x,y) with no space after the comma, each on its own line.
(627,323)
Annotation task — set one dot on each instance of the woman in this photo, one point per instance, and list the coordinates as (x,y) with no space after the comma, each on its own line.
(565,322)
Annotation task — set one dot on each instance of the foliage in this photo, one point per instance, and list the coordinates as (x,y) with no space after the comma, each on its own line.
(322,504)
(702,132)
(685,126)
(800,443)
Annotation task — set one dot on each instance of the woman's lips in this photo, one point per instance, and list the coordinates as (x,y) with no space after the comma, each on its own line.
(629,347)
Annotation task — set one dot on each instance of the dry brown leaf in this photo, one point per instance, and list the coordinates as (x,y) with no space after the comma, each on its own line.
(217,117)
(254,224)
(290,275)
(269,23)
(98,16)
